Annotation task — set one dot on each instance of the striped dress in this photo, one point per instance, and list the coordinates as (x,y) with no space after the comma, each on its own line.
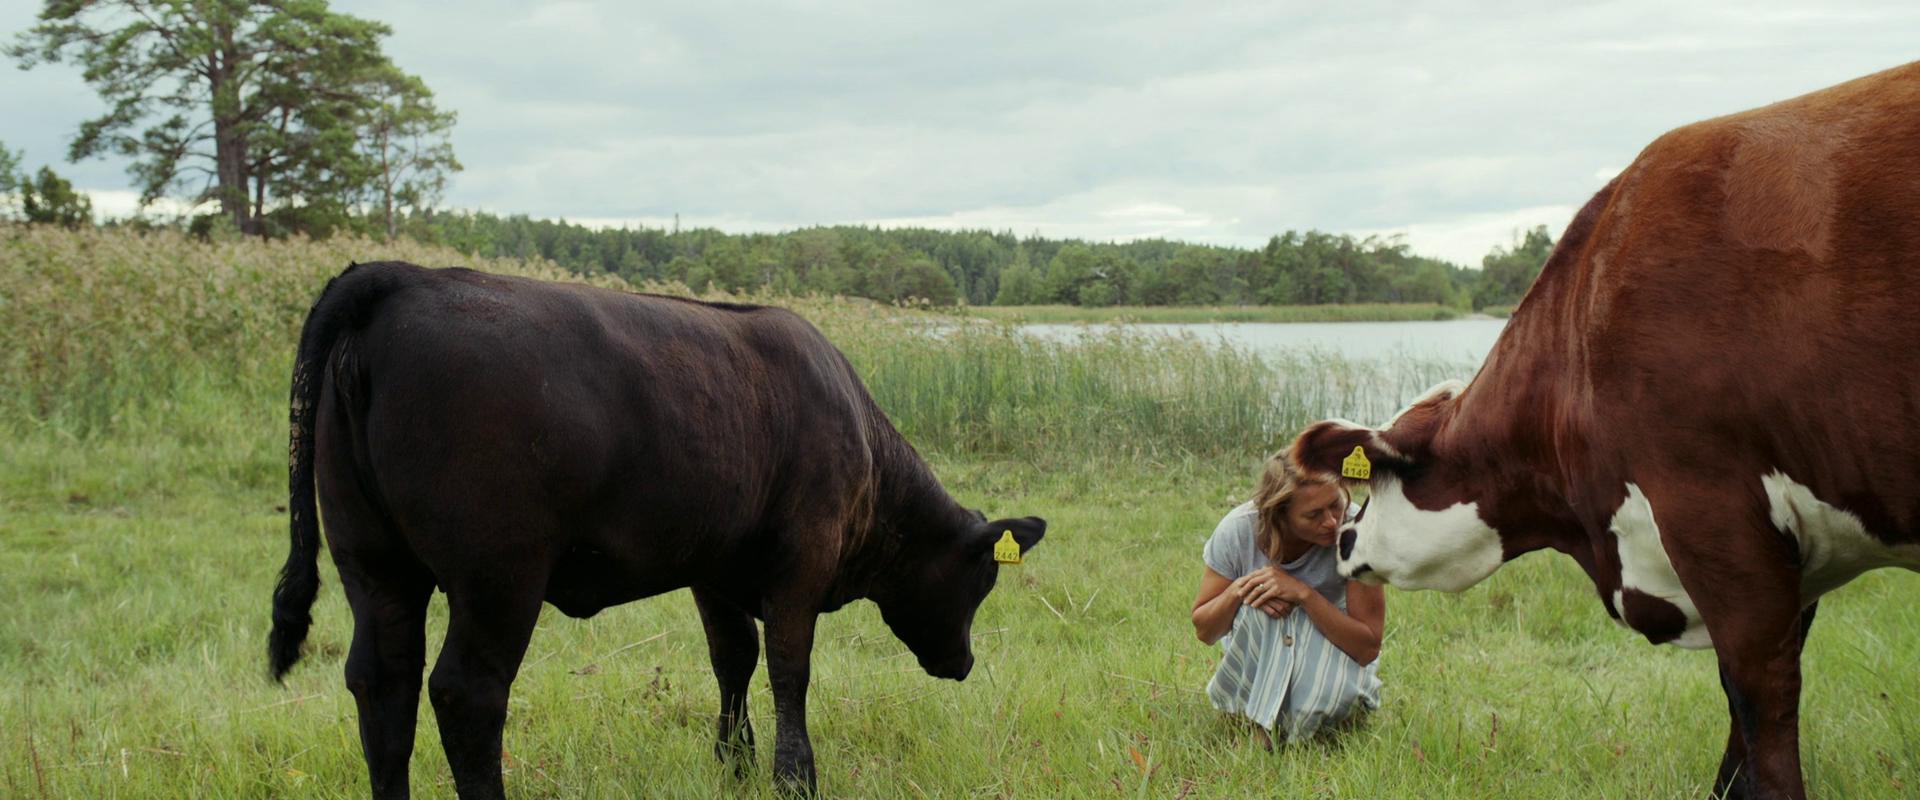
(1283,673)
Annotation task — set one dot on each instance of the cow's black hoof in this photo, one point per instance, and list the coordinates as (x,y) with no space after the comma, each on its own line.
(797,782)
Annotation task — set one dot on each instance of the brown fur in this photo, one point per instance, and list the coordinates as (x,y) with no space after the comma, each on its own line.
(1740,299)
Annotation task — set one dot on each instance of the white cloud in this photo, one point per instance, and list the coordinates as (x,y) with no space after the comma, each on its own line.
(1465,239)
(121,203)
(1216,122)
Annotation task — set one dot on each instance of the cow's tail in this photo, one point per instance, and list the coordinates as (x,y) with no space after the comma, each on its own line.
(345,302)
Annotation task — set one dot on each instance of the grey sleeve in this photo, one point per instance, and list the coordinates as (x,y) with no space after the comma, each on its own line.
(1226,548)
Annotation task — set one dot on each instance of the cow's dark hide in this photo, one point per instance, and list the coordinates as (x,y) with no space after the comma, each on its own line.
(514,442)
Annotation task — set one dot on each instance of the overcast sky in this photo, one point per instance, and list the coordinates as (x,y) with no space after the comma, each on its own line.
(1204,121)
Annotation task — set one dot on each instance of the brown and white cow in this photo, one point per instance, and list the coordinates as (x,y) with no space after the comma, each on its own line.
(1707,399)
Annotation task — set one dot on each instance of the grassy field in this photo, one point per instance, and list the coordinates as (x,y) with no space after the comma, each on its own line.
(142,483)
(1360,312)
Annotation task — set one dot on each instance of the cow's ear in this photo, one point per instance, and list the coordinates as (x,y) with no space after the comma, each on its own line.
(1027,532)
(1326,447)
(1409,436)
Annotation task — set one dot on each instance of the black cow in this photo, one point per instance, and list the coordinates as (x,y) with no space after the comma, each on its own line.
(512,441)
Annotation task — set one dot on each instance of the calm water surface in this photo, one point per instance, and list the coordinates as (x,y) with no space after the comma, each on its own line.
(1460,340)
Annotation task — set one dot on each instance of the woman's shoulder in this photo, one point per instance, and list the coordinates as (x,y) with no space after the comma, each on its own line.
(1232,540)
(1243,517)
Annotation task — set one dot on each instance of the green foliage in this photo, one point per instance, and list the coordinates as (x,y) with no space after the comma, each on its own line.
(9,172)
(49,199)
(1506,272)
(1019,283)
(43,197)
(984,268)
(285,113)
(1073,268)
(404,145)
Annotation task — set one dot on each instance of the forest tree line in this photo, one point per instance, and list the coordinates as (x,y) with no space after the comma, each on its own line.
(982,267)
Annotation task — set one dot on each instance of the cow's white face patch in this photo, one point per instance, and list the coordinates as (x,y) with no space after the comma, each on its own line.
(1399,543)
(1644,566)
(1834,544)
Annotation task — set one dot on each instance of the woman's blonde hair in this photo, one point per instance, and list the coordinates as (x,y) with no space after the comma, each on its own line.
(1271,498)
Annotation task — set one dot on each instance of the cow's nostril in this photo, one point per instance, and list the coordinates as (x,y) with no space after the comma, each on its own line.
(1346,543)
(1359,570)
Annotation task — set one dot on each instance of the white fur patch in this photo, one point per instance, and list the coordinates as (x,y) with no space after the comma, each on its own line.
(1644,566)
(1442,390)
(1374,441)
(1834,544)
(1411,548)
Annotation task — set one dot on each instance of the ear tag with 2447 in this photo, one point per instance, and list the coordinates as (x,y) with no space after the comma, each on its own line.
(1006,551)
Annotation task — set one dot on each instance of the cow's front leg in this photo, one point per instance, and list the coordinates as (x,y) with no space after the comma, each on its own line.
(1731,783)
(789,658)
(733,644)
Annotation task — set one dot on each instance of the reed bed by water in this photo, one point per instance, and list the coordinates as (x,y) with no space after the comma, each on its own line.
(103,328)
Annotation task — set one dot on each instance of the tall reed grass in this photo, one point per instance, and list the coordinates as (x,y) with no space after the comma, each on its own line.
(99,325)
(106,332)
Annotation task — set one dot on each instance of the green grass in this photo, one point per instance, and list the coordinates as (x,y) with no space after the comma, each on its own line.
(142,446)
(1359,312)
(139,573)
(1502,312)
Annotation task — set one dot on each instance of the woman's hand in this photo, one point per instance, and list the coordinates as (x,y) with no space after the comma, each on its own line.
(1243,589)
(1269,584)
(1221,598)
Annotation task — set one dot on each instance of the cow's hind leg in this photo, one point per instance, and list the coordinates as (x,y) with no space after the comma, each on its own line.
(384,666)
(1731,783)
(1742,574)
(734,646)
(387,588)
(490,621)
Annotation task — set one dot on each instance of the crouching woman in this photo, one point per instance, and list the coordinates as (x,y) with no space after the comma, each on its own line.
(1299,642)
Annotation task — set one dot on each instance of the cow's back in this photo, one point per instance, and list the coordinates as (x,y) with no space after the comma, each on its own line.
(1750,284)
(658,438)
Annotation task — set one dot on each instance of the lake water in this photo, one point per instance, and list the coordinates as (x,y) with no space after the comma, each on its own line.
(1381,365)
(1461,340)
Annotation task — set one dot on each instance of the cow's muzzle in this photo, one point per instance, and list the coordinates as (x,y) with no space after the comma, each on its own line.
(952,668)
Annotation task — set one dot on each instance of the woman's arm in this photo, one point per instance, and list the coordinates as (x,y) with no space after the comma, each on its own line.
(1356,631)
(1220,599)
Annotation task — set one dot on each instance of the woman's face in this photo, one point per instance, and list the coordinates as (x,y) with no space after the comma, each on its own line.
(1315,513)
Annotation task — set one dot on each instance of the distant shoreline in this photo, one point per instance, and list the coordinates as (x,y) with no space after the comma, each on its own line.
(1362,312)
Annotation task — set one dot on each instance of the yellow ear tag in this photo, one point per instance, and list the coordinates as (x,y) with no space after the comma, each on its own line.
(1006,551)
(1357,466)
